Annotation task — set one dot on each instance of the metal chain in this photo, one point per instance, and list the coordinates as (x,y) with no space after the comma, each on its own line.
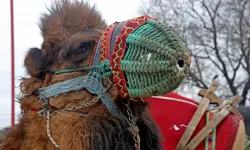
(48,113)
(48,129)
(133,128)
(43,112)
(82,106)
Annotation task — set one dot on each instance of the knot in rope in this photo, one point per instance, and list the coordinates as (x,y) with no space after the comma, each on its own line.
(105,70)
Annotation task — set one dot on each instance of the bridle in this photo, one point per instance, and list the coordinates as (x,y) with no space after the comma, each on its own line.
(100,68)
(93,80)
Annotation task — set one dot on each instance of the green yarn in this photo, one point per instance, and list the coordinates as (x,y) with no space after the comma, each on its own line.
(72,70)
(150,61)
(138,66)
(104,68)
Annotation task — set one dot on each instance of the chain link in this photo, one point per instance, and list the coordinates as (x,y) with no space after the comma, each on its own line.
(48,129)
(133,128)
(75,108)
(46,113)
(43,112)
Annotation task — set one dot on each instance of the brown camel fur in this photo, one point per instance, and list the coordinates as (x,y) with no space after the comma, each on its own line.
(70,31)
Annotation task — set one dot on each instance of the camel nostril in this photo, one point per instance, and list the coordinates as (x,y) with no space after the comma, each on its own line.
(181,63)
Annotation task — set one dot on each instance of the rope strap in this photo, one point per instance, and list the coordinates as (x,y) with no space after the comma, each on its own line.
(76,84)
(104,68)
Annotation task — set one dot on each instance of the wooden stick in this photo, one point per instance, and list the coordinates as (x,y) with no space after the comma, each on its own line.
(196,118)
(217,100)
(212,124)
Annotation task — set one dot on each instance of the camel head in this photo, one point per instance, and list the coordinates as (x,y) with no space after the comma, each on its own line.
(138,58)
(86,67)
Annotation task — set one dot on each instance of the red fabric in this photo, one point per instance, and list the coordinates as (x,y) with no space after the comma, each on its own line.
(178,112)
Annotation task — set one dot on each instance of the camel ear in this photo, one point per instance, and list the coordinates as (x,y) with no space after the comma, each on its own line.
(36,62)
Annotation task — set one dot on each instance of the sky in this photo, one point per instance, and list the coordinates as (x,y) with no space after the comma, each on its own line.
(27,35)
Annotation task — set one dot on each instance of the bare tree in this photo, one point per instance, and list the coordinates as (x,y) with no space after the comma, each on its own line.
(217,32)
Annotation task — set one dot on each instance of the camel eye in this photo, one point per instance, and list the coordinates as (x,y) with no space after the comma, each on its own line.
(84,47)
(80,51)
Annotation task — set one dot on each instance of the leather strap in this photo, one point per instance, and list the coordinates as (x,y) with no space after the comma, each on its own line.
(196,118)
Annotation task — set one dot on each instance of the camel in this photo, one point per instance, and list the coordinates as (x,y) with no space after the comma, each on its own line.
(89,83)
(87,116)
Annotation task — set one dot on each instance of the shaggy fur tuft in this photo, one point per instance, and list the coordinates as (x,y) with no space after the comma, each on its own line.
(65,18)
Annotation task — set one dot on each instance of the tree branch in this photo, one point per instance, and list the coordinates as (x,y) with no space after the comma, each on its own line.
(202,20)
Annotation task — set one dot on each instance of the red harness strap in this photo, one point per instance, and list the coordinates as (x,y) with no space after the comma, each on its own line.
(108,42)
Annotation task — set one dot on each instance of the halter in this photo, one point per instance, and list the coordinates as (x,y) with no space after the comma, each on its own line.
(118,51)
(93,80)
(100,68)
(103,65)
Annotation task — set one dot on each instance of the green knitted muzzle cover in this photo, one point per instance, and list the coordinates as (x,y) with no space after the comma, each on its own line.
(154,60)
(151,61)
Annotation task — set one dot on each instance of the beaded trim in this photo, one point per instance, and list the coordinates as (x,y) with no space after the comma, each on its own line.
(210,141)
(103,42)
